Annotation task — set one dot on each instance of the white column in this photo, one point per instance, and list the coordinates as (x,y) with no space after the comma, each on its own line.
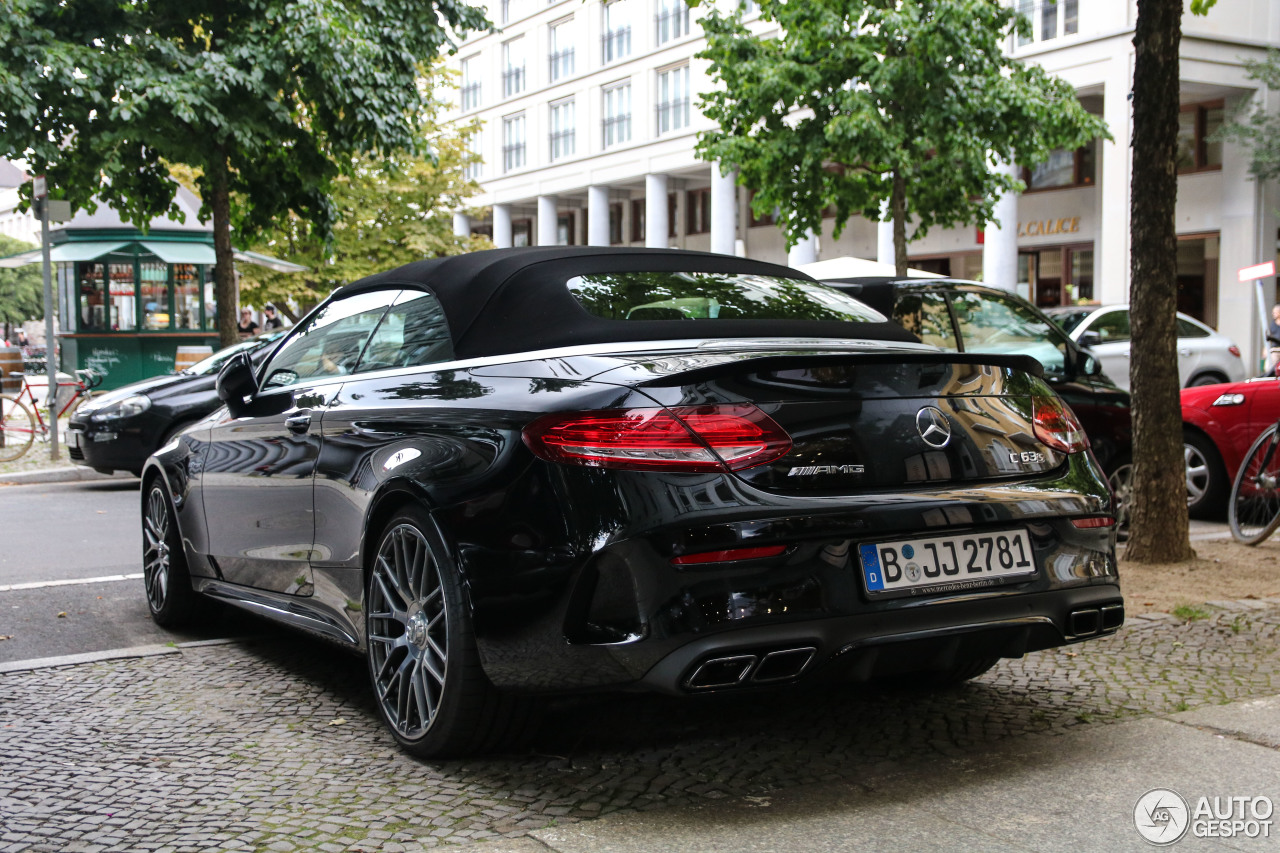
(884,236)
(804,252)
(546,220)
(1000,242)
(597,216)
(502,226)
(461,225)
(1111,278)
(657,229)
(724,211)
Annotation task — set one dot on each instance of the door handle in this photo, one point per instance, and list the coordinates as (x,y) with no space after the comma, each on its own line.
(298,423)
(1184,352)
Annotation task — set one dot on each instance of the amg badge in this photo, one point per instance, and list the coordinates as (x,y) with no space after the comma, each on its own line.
(811,470)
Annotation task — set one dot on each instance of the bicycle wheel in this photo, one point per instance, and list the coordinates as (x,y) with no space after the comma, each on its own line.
(17,428)
(1254,508)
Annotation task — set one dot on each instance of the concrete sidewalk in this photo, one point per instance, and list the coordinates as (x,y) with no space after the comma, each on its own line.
(1070,792)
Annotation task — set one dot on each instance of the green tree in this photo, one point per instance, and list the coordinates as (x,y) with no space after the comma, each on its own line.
(860,101)
(1160,530)
(388,211)
(269,99)
(21,288)
(1257,128)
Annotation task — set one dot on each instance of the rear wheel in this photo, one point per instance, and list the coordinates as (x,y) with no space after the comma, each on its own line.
(1253,510)
(17,428)
(423,664)
(1210,378)
(172,601)
(1121,480)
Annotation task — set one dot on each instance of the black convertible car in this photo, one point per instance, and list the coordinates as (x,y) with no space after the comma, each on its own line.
(548,470)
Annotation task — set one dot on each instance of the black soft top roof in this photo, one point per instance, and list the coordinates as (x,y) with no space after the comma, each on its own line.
(515,300)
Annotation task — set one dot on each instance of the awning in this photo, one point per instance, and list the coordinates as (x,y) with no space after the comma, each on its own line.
(180,253)
(21,259)
(88,251)
(246,257)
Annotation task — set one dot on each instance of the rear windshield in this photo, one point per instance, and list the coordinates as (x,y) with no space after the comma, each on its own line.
(1068,320)
(641,296)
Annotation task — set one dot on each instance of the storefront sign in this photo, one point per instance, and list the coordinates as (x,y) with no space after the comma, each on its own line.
(1046,227)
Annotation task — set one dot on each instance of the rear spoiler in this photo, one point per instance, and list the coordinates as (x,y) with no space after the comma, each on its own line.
(767,361)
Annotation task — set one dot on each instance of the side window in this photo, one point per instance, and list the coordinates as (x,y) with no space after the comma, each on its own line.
(925,315)
(330,343)
(1187,329)
(413,332)
(995,323)
(1112,327)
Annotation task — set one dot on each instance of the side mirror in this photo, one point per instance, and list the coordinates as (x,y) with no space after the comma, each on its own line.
(1087,364)
(1089,339)
(236,381)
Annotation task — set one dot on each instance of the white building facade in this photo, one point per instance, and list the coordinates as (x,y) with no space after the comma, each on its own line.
(588,120)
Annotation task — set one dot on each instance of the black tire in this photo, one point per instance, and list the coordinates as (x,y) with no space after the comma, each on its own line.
(1210,378)
(1253,511)
(1207,482)
(425,670)
(165,577)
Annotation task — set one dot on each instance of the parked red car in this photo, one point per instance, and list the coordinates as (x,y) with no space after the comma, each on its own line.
(1219,422)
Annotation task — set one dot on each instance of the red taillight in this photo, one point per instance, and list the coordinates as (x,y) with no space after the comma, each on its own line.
(729,555)
(1097,521)
(1234,350)
(1056,425)
(690,438)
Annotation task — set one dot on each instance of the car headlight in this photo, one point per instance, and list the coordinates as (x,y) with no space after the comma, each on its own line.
(1229,400)
(126,408)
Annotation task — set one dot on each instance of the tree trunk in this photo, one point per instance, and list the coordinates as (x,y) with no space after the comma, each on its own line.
(224,273)
(1159,514)
(898,207)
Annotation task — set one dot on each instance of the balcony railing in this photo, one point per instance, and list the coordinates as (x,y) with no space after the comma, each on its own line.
(471,96)
(513,81)
(617,129)
(672,115)
(562,144)
(672,23)
(616,44)
(561,64)
(512,156)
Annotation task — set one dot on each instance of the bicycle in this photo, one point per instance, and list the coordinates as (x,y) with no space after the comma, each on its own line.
(21,420)
(1253,511)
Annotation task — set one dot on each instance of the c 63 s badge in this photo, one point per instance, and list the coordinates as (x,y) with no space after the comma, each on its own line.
(814,470)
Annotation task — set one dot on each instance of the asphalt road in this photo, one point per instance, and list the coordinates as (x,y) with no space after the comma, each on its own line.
(59,544)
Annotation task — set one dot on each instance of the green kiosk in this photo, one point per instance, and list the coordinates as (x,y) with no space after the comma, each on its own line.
(128,299)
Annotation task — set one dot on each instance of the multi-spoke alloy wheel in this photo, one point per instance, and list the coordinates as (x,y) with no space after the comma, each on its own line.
(408,625)
(424,666)
(170,597)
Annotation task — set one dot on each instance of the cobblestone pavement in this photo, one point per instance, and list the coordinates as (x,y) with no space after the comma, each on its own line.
(274,744)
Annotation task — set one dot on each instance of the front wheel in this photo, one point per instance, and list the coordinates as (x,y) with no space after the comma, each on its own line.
(1253,510)
(17,428)
(423,663)
(172,601)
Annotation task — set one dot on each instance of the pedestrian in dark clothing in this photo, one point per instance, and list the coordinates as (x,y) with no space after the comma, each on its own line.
(272,321)
(248,328)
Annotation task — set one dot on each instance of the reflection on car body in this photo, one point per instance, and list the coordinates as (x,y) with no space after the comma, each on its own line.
(522,488)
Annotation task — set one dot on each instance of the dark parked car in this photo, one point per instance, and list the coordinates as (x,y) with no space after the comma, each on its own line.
(964,316)
(118,430)
(547,470)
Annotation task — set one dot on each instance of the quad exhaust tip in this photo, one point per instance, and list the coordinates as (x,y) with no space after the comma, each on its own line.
(745,669)
(1087,623)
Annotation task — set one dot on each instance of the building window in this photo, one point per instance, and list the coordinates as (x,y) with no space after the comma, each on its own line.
(617,114)
(522,232)
(561,45)
(672,20)
(504,11)
(753,220)
(470,83)
(748,7)
(616,40)
(673,99)
(566,233)
(673,210)
(1049,19)
(475,157)
(513,143)
(562,129)
(637,220)
(1196,124)
(512,67)
(615,223)
(1064,169)
(697,211)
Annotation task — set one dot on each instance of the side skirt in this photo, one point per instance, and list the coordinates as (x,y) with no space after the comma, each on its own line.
(292,611)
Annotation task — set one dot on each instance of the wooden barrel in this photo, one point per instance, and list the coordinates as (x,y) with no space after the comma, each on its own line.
(11,369)
(188,356)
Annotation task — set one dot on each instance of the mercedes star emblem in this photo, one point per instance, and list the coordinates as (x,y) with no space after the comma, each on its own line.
(933,427)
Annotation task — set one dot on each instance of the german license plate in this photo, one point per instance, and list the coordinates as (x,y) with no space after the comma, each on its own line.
(73,438)
(946,563)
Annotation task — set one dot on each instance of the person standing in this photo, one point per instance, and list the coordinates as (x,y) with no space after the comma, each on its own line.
(271,320)
(248,328)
